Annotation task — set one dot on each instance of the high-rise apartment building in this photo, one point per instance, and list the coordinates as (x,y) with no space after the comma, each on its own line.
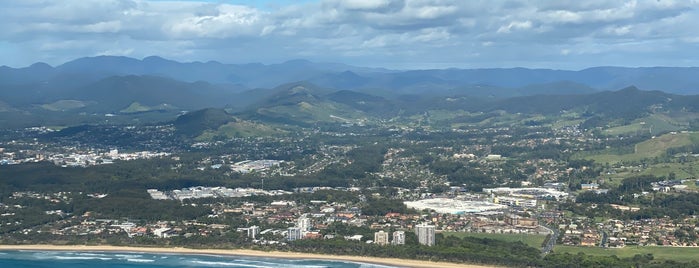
(425,234)
(398,238)
(381,238)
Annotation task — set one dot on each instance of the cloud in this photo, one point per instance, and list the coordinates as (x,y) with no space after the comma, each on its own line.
(228,21)
(392,33)
(515,25)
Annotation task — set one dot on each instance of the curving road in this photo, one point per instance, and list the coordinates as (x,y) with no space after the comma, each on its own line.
(552,240)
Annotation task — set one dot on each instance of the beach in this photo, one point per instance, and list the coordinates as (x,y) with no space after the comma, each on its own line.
(244,252)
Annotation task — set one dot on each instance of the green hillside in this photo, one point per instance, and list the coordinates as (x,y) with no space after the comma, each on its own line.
(654,147)
(136,107)
(305,103)
(240,129)
(64,105)
(655,124)
(195,123)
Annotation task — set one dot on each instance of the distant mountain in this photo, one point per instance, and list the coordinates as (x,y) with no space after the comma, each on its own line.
(115,93)
(251,75)
(508,82)
(622,106)
(303,103)
(88,90)
(293,93)
(676,80)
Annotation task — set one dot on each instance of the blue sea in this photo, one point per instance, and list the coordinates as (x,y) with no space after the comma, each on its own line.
(71,259)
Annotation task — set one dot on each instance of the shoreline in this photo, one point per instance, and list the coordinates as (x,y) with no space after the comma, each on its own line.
(245,253)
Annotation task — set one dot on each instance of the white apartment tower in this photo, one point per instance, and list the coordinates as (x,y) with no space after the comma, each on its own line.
(304,224)
(398,238)
(381,238)
(293,233)
(253,231)
(425,234)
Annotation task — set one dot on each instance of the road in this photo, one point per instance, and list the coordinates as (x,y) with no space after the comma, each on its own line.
(551,242)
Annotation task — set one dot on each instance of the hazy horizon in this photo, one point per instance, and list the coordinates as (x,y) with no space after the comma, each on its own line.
(342,63)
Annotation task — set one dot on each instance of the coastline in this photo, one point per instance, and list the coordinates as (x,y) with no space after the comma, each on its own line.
(246,253)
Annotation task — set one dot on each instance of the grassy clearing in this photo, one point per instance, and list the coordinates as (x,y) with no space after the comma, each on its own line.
(657,146)
(310,112)
(64,105)
(682,254)
(529,239)
(135,107)
(566,123)
(681,171)
(625,129)
(686,170)
(654,124)
(647,149)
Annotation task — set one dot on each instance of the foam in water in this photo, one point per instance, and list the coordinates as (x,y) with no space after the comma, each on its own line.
(140,260)
(69,259)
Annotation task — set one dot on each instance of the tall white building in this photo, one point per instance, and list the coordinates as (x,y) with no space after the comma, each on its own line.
(425,234)
(398,238)
(381,238)
(304,224)
(293,233)
(253,231)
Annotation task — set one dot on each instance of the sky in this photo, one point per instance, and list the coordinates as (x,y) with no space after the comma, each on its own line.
(397,34)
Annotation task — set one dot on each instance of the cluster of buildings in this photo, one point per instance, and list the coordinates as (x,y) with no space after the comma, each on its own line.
(75,158)
(210,192)
(248,166)
(529,192)
(574,234)
(617,233)
(397,238)
(92,158)
(670,186)
(454,206)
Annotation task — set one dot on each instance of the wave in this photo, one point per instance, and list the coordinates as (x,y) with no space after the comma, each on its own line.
(140,260)
(232,264)
(81,258)
(128,255)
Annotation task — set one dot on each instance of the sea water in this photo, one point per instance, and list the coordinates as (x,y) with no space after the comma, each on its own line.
(71,259)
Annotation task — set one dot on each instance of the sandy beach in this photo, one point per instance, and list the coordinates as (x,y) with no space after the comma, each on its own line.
(245,252)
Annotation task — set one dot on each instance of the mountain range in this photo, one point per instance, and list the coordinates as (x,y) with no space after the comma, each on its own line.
(677,80)
(303,92)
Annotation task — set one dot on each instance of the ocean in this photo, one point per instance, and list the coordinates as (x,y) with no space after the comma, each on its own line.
(76,259)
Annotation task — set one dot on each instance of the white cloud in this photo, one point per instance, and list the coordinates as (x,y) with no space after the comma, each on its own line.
(370,32)
(227,22)
(363,4)
(515,25)
(116,52)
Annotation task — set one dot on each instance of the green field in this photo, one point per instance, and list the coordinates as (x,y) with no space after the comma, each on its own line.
(647,149)
(529,239)
(681,254)
(654,124)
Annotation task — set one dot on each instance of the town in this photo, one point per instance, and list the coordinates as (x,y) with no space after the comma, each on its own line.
(496,182)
